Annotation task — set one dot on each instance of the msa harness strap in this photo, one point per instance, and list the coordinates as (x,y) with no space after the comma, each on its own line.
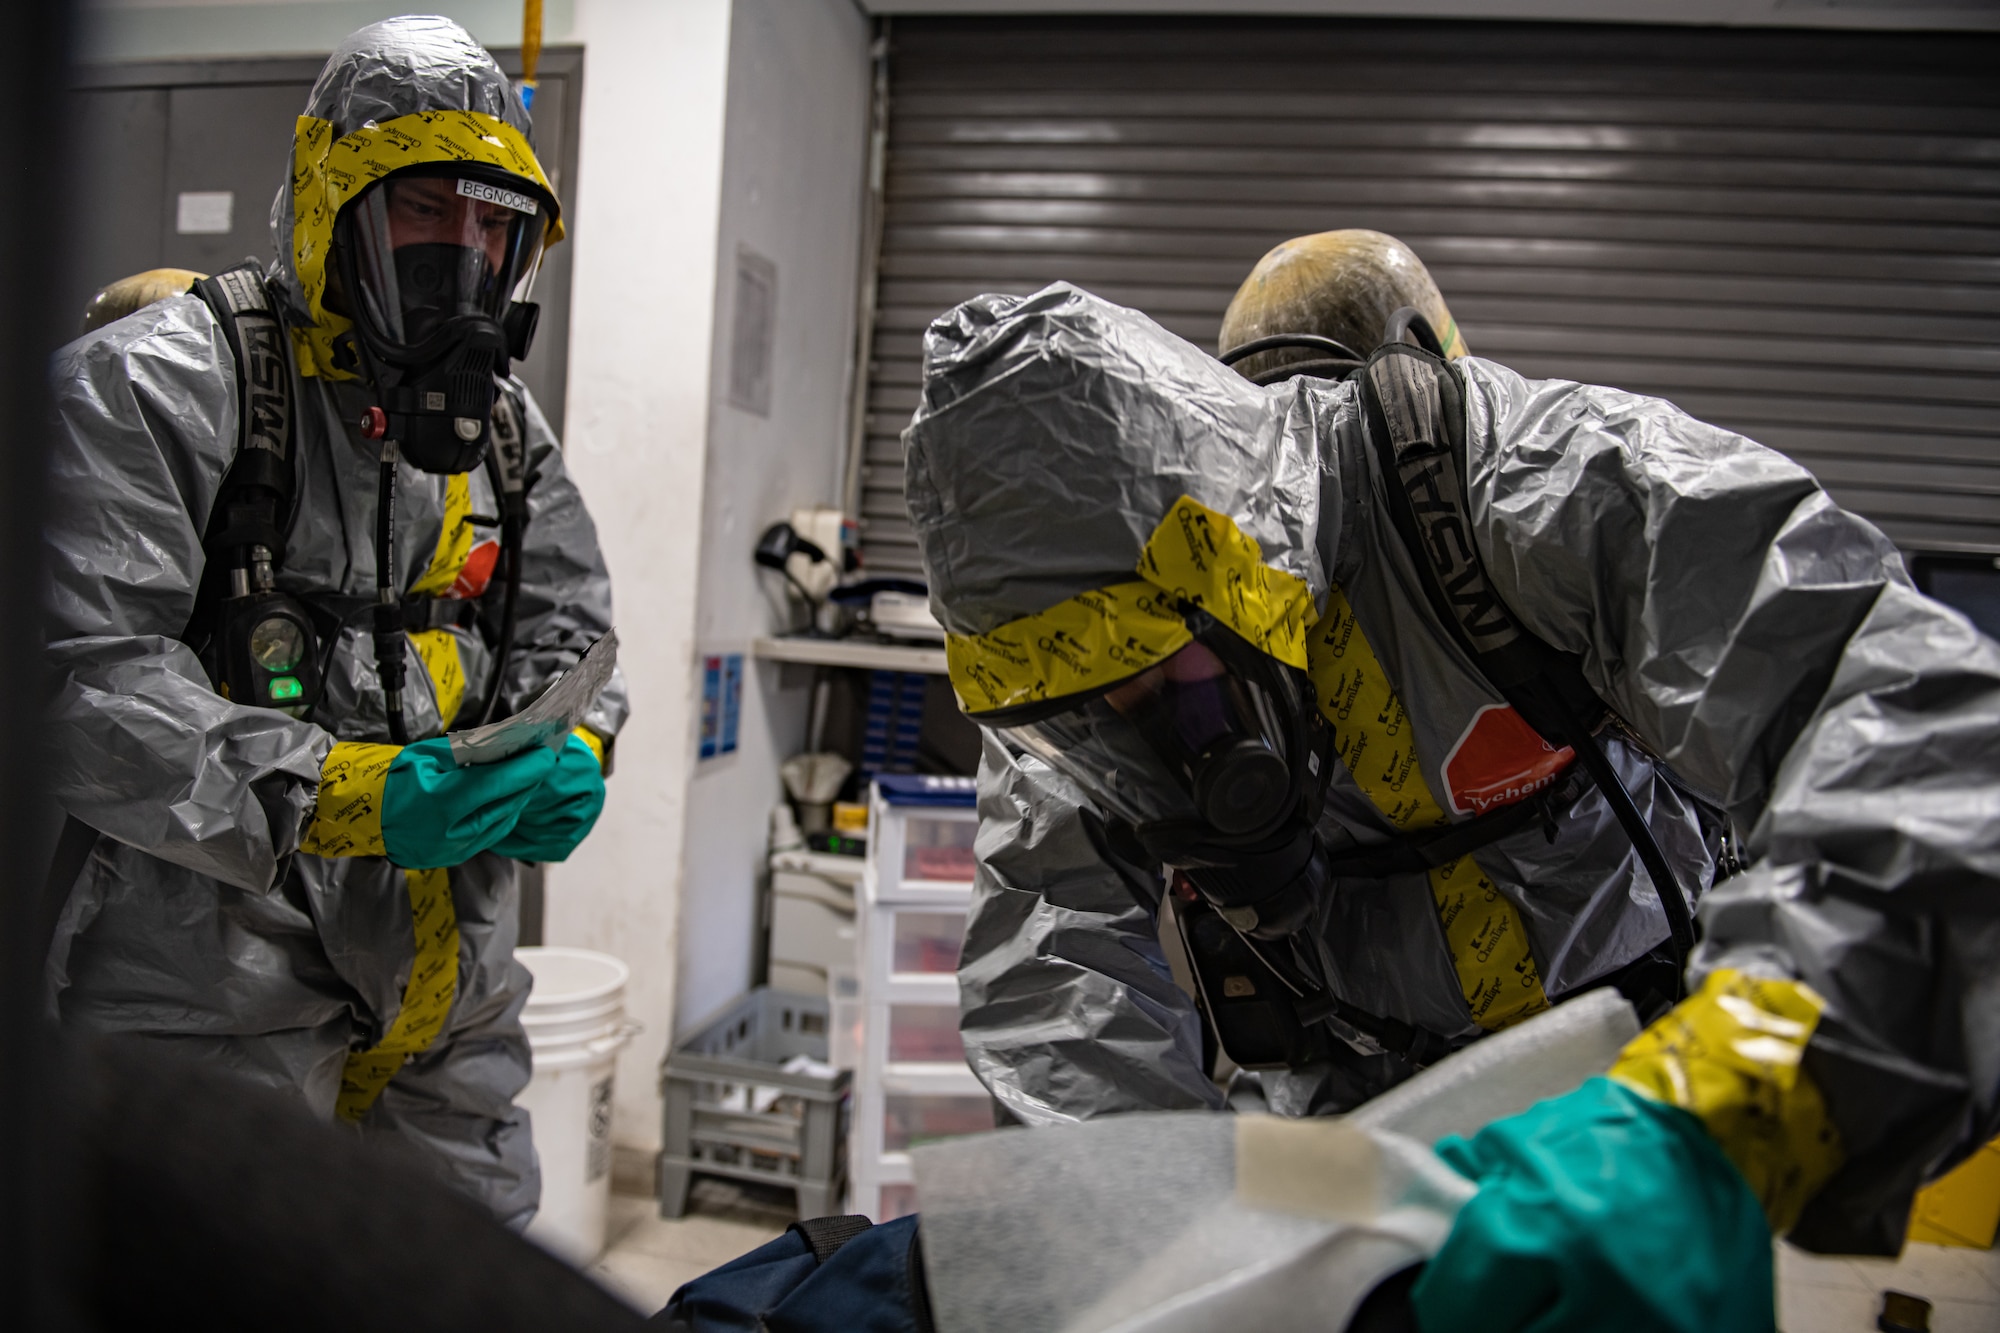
(255,500)
(1416,421)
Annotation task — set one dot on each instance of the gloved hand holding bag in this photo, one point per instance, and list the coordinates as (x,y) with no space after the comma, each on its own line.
(1645,1200)
(564,808)
(417,806)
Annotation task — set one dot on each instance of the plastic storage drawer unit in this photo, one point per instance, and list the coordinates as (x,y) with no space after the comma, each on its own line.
(911,1084)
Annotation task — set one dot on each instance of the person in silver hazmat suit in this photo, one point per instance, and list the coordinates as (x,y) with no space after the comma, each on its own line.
(316,897)
(1208,674)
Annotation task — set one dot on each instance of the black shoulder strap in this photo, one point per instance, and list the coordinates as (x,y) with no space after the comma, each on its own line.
(1416,419)
(255,501)
(1415,403)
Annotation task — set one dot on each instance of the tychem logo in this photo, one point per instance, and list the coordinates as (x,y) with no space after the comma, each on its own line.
(1500,759)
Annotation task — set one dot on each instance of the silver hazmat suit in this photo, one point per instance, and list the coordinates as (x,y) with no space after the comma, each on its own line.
(196,920)
(1766,645)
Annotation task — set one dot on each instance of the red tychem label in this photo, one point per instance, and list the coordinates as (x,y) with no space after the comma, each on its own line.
(477,571)
(1500,760)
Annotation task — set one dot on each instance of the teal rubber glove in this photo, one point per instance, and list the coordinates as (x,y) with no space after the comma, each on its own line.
(563,809)
(1600,1209)
(435,813)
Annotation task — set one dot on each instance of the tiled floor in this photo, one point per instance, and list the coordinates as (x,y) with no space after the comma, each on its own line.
(650,1256)
(1818,1295)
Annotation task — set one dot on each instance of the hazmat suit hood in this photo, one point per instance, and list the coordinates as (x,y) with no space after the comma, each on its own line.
(398,67)
(1057,431)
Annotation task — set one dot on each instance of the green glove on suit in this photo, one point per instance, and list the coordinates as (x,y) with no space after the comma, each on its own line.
(1645,1200)
(1594,1202)
(417,806)
(563,809)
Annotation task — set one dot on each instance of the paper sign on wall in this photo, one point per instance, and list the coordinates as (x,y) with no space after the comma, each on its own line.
(204,212)
(721,703)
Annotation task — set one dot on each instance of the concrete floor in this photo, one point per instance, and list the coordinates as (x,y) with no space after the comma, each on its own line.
(650,1256)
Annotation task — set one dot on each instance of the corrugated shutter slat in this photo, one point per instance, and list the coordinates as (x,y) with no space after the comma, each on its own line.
(1793,234)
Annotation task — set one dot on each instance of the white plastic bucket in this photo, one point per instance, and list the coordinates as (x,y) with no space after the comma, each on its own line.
(576,1025)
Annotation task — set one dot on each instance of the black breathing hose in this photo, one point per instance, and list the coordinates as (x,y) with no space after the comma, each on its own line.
(510,552)
(1409,320)
(389,656)
(1319,368)
(1273,342)
(1673,904)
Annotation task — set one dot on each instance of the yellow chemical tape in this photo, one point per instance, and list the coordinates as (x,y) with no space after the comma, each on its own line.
(1101,637)
(1371,730)
(590,738)
(454,543)
(327,173)
(438,649)
(1962,1207)
(1198,555)
(1732,1055)
(1092,640)
(1373,736)
(1489,946)
(347,815)
(427,996)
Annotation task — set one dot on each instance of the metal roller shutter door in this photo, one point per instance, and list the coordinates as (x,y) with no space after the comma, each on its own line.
(1793,234)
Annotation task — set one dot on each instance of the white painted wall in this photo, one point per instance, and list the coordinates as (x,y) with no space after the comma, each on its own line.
(792,179)
(649,178)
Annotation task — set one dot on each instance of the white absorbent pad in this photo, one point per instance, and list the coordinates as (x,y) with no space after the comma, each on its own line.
(1182,1221)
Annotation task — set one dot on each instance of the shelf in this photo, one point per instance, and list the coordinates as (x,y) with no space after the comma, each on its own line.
(934,1080)
(867,655)
(932,988)
(916,893)
(846,870)
(930,1076)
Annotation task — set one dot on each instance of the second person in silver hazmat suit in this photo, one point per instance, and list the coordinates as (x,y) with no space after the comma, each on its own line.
(1151,569)
(306,900)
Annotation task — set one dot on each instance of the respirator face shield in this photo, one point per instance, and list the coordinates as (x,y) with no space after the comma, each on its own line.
(1215,759)
(435,263)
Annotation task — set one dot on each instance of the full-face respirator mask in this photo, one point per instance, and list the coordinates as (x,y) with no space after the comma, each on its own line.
(1215,761)
(431,261)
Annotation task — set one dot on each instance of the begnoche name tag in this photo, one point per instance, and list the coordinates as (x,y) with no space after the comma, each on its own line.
(493,194)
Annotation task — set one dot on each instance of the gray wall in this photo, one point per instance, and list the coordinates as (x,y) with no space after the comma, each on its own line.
(150,29)
(794,153)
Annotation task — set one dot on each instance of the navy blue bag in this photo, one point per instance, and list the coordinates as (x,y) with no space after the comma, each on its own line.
(832,1273)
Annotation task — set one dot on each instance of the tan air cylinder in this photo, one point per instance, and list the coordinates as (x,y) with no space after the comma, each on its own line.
(137,292)
(1342,285)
